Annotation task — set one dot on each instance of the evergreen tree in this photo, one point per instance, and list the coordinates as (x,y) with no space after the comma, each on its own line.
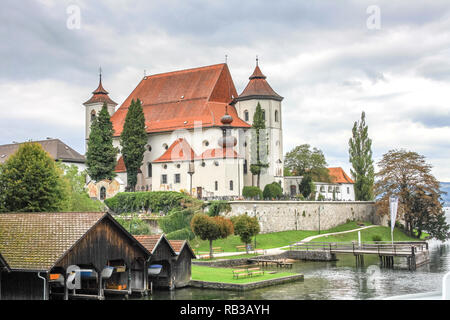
(133,141)
(101,154)
(259,146)
(306,186)
(360,152)
(30,181)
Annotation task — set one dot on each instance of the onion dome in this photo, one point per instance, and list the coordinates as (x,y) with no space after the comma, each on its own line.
(227,142)
(226,119)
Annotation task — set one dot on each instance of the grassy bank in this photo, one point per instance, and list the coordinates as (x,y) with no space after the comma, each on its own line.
(269,240)
(368,235)
(225,275)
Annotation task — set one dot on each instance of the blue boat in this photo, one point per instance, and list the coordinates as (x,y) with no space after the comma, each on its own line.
(154,269)
(88,274)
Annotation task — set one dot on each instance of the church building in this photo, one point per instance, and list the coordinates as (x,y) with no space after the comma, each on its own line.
(198,129)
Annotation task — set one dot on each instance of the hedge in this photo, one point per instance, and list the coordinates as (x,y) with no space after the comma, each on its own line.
(250,192)
(155,201)
(272,191)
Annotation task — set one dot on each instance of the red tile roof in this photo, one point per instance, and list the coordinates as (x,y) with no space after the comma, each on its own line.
(100,95)
(151,242)
(180,150)
(120,166)
(178,245)
(258,87)
(176,100)
(338,175)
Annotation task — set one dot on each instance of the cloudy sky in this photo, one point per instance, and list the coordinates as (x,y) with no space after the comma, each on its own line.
(329,59)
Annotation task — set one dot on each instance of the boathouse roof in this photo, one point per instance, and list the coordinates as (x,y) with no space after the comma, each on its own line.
(39,241)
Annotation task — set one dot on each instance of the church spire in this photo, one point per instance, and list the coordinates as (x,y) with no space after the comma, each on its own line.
(100,94)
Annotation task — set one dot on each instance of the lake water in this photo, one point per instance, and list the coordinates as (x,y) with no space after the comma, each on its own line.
(339,280)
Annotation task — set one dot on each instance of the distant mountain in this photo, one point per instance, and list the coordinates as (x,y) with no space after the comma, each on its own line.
(445,186)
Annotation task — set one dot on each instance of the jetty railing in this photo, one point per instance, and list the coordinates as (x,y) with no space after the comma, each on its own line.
(404,248)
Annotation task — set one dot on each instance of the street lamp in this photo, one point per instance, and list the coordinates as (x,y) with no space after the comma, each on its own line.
(191,171)
(254,214)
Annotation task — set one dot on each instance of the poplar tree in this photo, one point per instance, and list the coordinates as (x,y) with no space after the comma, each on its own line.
(101,155)
(133,140)
(259,145)
(360,156)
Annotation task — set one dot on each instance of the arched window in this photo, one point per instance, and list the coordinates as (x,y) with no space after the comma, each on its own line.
(102,193)
(246,116)
(149,170)
(264,114)
(276,115)
(216,185)
(92,115)
(231,184)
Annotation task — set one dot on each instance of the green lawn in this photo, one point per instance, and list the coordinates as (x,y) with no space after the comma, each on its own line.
(226,276)
(269,240)
(367,235)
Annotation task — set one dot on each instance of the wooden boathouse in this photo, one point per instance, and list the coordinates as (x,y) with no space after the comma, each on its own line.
(175,258)
(69,256)
(183,264)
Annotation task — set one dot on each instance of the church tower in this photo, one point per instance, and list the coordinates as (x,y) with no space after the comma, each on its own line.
(95,104)
(259,91)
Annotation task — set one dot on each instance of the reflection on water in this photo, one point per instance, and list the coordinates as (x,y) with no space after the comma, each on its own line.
(339,280)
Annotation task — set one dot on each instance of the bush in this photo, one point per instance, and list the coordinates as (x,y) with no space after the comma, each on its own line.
(272,191)
(133,224)
(155,201)
(218,206)
(376,238)
(176,220)
(250,192)
(321,197)
(182,234)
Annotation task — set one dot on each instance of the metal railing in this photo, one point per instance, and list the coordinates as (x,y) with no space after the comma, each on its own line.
(380,248)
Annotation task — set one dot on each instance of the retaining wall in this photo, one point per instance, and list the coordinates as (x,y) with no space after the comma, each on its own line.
(275,216)
(246,286)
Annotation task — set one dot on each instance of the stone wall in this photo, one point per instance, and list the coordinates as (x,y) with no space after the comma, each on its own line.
(275,216)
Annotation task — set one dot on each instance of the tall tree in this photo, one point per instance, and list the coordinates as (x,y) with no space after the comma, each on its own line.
(307,186)
(101,155)
(133,141)
(360,154)
(303,161)
(30,181)
(406,174)
(259,146)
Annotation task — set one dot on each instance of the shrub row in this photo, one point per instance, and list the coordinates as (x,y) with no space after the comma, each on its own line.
(156,201)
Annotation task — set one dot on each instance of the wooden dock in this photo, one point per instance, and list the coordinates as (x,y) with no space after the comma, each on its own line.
(386,251)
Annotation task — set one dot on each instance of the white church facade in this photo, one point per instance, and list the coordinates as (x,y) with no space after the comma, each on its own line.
(198,129)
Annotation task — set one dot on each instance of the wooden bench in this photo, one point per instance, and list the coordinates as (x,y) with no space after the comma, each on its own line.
(218,249)
(238,248)
(255,271)
(240,273)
